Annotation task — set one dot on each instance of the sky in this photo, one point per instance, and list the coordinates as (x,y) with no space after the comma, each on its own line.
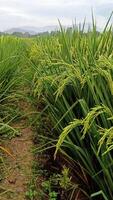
(39,13)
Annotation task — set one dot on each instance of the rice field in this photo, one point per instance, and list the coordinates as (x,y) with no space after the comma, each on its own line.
(68,75)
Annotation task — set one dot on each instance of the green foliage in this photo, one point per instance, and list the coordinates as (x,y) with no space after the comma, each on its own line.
(55,181)
(64,179)
(75,78)
(9,71)
(72,71)
(31,193)
(47,187)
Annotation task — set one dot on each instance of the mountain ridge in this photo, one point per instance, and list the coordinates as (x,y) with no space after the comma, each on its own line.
(31,30)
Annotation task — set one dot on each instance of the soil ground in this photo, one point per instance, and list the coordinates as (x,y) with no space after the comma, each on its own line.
(18,170)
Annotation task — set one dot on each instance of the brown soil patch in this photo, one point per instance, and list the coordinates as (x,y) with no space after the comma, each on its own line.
(18,169)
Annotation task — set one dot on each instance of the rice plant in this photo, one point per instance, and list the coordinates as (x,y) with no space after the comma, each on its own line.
(11,75)
(74,76)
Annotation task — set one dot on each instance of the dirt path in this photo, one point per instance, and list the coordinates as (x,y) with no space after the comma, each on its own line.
(19,169)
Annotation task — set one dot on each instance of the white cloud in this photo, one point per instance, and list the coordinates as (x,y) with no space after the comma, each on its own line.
(15,13)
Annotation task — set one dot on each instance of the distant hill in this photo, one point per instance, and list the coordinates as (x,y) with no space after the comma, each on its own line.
(27,31)
(32,30)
